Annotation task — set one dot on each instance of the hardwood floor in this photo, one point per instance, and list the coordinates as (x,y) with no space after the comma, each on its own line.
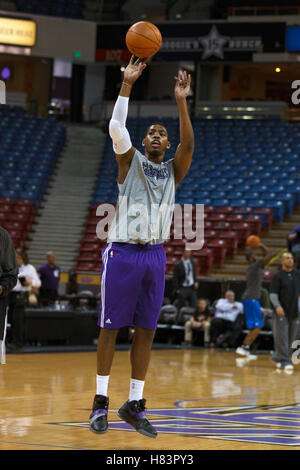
(197,399)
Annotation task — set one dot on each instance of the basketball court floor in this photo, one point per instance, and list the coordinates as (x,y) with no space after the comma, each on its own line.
(197,399)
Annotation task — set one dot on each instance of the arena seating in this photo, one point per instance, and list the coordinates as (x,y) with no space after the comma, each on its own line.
(63,8)
(246,173)
(17,217)
(28,153)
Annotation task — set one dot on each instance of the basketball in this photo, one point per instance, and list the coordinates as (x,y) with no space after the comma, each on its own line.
(253,241)
(143,39)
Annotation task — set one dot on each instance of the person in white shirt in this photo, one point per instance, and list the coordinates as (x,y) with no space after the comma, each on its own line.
(227,323)
(23,293)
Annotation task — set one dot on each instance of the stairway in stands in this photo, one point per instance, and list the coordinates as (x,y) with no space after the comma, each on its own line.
(62,216)
(275,239)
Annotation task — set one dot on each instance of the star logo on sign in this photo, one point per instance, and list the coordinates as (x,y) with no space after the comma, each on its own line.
(213,44)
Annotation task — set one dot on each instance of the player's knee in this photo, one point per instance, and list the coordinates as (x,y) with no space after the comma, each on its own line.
(109,333)
(144,334)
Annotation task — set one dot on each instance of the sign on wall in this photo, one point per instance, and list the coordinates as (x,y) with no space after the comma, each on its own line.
(208,42)
(17,32)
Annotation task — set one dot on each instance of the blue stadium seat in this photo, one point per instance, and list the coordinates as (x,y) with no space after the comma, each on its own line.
(235,163)
(28,155)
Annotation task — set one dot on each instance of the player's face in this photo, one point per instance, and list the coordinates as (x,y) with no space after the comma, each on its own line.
(156,140)
(287,260)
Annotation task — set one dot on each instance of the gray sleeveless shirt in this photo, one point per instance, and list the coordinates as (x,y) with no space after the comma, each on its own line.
(145,204)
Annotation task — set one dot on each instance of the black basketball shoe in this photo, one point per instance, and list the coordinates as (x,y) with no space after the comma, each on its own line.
(133,412)
(98,418)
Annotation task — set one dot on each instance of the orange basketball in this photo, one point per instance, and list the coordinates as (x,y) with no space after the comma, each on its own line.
(143,39)
(253,241)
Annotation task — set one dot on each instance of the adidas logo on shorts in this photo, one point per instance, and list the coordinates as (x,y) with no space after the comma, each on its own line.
(108,321)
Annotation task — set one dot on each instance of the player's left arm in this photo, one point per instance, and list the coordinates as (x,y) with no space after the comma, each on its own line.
(267,254)
(185,150)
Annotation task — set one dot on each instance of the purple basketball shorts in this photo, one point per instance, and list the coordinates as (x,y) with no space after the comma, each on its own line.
(132,285)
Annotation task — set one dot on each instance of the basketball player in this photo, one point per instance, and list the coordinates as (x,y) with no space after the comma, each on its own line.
(251,296)
(132,280)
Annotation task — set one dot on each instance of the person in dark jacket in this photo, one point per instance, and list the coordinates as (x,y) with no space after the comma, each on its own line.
(185,281)
(284,294)
(9,270)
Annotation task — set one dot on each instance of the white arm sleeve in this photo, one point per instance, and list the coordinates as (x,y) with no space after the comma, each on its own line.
(117,130)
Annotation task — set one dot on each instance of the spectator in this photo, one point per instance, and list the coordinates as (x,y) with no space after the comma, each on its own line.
(293,245)
(227,324)
(185,281)
(8,278)
(50,275)
(284,293)
(23,294)
(251,296)
(200,320)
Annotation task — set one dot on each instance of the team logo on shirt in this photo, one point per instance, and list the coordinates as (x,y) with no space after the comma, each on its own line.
(160,174)
(278,425)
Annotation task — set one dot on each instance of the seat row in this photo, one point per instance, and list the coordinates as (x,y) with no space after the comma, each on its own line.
(17,217)
(224,233)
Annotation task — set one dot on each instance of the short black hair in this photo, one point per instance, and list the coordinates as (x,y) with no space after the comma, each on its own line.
(156,124)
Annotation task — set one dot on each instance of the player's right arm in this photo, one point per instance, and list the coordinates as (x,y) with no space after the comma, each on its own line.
(274,294)
(117,126)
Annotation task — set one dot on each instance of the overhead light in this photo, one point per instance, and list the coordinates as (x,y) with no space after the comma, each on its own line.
(278,69)
(5,73)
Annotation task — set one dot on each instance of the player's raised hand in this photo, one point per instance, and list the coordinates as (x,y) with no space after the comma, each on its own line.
(134,69)
(183,85)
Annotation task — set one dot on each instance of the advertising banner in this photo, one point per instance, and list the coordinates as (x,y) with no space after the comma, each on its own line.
(207,42)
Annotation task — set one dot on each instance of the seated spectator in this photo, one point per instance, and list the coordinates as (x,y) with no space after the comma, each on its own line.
(200,320)
(293,245)
(227,324)
(185,281)
(23,294)
(50,275)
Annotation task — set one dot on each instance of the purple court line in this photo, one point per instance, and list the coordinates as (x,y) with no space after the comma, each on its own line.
(43,445)
(227,397)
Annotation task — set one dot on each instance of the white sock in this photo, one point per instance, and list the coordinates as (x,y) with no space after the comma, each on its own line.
(136,389)
(102,384)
